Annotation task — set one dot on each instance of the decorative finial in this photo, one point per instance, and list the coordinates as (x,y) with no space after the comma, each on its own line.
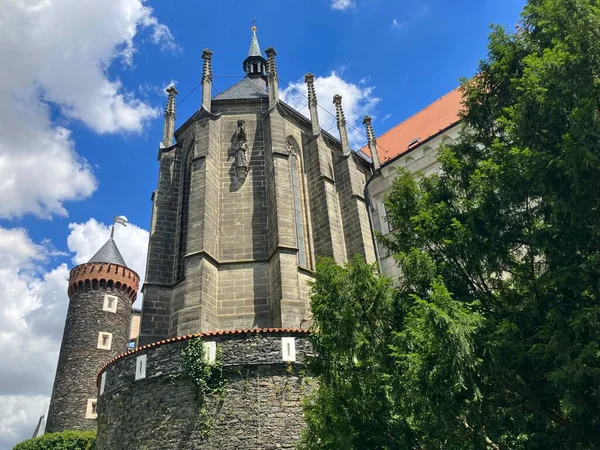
(340,117)
(253,27)
(170,109)
(207,66)
(372,142)
(341,124)
(273,78)
(309,79)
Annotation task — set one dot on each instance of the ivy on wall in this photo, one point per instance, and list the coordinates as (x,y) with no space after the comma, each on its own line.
(207,377)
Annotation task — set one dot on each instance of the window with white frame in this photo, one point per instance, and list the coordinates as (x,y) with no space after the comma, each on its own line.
(104,340)
(288,348)
(110,303)
(140,367)
(90,411)
(210,352)
(102,382)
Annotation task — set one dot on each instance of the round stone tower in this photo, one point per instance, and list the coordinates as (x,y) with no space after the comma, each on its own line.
(101,293)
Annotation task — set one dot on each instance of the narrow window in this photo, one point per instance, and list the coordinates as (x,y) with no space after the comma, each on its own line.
(102,382)
(104,340)
(210,352)
(140,367)
(297,199)
(384,225)
(110,303)
(288,348)
(185,206)
(90,412)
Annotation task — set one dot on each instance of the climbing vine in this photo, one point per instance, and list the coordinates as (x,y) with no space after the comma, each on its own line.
(207,377)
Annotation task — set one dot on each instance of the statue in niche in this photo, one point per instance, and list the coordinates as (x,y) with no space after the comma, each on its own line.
(241,163)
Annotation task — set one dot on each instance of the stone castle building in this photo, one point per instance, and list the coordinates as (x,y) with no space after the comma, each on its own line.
(250,193)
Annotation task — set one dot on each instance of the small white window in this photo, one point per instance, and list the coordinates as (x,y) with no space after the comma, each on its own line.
(104,340)
(110,303)
(90,412)
(210,352)
(140,367)
(102,382)
(288,348)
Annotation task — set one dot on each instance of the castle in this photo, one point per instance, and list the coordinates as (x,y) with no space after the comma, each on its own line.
(250,193)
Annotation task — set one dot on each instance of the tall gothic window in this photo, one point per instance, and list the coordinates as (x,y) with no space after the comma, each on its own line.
(296,168)
(185,208)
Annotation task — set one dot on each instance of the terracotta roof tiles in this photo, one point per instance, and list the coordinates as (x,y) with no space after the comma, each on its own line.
(425,124)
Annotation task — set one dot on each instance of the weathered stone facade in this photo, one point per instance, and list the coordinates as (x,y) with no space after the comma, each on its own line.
(80,358)
(227,252)
(250,193)
(261,406)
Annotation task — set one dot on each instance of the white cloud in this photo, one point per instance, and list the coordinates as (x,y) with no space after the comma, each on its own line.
(342,5)
(59,53)
(386,117)
(397,24)
(358,100)
(33,308)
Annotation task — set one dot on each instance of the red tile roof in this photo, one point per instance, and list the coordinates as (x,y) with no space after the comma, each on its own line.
(205,334)
(425,124)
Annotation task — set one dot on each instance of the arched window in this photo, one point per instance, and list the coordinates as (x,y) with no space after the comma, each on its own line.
(185,209)
(296,169)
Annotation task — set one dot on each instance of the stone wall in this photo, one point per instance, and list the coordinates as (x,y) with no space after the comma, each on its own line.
(261,406)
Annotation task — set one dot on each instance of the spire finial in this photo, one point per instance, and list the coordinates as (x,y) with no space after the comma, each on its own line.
(309,79)
(372,142)
(273,78)
(341,123)
(255,65)
(207,77)
(169,127)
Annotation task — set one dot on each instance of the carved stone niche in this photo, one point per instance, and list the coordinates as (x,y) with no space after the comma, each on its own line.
(241,148)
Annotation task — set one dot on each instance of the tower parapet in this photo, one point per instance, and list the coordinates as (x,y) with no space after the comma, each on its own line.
(101,293)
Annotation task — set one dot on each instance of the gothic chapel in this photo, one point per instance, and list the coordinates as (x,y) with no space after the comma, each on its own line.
(250,193)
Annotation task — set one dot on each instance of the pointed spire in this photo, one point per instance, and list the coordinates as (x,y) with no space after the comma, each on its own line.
(341,123)
(309,79)
(207,77)
(273,78)
(372,142)
(169,128)
(109,253)
(255,65)
(254,47)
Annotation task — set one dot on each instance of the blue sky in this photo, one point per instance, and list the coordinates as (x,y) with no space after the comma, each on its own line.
(81,118)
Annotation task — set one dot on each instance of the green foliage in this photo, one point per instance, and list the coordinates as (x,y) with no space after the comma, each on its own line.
(208,379)
(491,338)
(64,440)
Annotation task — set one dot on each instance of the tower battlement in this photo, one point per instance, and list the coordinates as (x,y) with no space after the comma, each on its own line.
(99,275)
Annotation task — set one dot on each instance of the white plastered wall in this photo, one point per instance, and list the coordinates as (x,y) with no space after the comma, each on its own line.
(422,158)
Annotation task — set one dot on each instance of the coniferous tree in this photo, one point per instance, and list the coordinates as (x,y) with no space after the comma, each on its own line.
(491,338)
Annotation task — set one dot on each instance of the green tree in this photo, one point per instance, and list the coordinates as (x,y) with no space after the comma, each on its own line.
(64,440)
(492,337)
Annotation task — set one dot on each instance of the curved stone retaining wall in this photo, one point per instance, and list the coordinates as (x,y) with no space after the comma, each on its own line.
(261,406)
